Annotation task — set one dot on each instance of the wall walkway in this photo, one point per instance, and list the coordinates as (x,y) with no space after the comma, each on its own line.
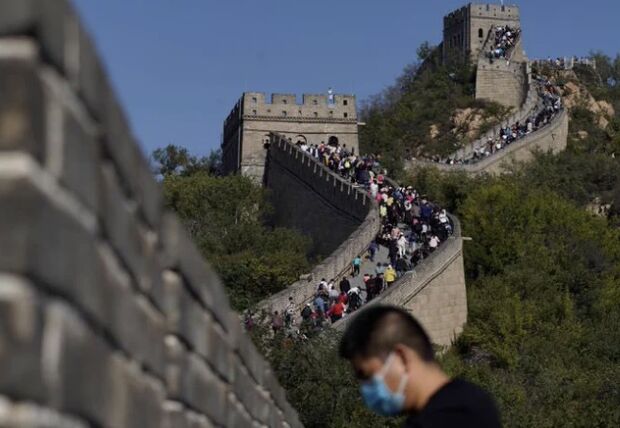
(434,292)
(553,138)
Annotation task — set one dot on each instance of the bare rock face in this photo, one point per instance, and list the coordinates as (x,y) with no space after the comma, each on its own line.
(468,122)
(575,94)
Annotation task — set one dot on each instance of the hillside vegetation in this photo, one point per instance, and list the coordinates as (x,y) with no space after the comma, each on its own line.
(543,272)
(226,218)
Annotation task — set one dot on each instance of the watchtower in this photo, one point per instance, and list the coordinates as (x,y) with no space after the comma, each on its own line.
(319,118)
(465,30)
(467,35)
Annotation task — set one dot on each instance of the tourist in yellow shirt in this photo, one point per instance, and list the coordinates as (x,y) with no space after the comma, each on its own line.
(389,275)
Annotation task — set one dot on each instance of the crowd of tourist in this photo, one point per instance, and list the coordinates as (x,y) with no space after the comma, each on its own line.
(504,39)
(411,229)
(343,161)
(550,106)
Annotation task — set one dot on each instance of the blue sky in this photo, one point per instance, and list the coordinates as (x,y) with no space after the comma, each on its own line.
(180,65)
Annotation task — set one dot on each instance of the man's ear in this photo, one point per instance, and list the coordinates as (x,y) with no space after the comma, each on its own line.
(406,355)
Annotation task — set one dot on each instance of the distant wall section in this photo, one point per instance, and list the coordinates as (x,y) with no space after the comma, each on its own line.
(552,138)
(312,199)
(341,219)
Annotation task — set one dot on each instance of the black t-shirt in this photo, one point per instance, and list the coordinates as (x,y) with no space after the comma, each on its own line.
(457,404)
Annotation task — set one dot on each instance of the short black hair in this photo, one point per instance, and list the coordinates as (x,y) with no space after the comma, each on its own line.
(376,330)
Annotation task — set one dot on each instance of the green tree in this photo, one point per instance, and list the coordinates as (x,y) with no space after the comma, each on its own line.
(226,217)
(176,160)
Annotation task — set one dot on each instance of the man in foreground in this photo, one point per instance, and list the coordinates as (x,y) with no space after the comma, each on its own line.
(393,357)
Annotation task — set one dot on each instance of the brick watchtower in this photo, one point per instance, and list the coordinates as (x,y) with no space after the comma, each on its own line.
(466,35)
(317,119)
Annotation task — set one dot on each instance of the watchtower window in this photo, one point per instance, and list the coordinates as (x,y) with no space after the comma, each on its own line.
(284,113)
(254,100)
(283,101)
(316,114)
(481,33)
(315,102)
(345,102)
(346,115)
(488,6)
(299,112)
(254,112)
(331,112)
(268,110)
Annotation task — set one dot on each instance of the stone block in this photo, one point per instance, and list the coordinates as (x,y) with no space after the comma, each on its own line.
(237,416)
(127,236)
(20,202)
(182,255)
(145,397)
(80,155)
(18,17)
(22,108)
(203,390)
(194,324)
(219,352)
(244,387)
(91,79)
(252,359)
(175,415)
(26,414)
(51,26)
(196,420)
(47,241)
(125,152)
(78,369)
(176,365)
(149,193)
(21,331)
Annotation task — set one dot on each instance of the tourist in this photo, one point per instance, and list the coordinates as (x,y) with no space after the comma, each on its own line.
(277,323)
(393,358)
(289,313)
(401,266)
(345,285)
(357,263)
(336,311)
(389,276)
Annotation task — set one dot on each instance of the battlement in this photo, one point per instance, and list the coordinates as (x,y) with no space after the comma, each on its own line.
(492,11)
(285,107)
(260,98)
(495,11)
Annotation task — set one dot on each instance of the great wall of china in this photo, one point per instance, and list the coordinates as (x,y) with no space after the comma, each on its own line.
(101,283)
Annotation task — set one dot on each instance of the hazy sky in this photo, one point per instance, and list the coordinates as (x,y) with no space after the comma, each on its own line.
(180,65)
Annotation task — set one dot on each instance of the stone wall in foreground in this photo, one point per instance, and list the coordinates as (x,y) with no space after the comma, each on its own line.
(109,317)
